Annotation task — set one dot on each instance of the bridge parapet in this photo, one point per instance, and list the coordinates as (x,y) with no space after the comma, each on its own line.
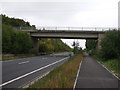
(78,28)
(71,28)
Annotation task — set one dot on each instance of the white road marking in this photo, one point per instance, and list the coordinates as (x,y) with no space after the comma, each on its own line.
(24,62)
(32,72)
(33,81)
(108,70)
(14,60)
(77,76)
(44,58)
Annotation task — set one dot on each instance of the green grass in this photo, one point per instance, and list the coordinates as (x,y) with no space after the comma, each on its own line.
(62,76)
(112,65)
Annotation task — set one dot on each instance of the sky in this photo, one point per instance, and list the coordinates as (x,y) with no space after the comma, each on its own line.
(64,13)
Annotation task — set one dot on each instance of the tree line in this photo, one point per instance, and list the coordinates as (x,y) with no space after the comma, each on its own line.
(14,41)
(17,23)
(53,45)
(17,42)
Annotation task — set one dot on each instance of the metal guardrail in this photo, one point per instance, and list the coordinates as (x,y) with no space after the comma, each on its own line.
(71,28)
(78,28)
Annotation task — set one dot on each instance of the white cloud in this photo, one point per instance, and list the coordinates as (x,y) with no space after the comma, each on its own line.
(70,42)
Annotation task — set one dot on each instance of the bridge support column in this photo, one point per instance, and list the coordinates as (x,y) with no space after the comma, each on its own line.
(35,44)
(100,36)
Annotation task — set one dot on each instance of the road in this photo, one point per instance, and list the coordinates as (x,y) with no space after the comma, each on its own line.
(94,75)
(16,73)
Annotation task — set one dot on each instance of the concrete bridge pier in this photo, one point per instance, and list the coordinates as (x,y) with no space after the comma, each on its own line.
(100,37)
(35,44)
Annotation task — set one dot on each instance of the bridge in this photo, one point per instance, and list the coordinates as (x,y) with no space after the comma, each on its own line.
(67,33)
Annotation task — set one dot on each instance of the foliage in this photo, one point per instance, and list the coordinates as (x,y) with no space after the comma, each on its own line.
(109,54)
(52,45)
(111,64)
(17,23)
(91,46)
(111,45)
(76,48)
(15,41)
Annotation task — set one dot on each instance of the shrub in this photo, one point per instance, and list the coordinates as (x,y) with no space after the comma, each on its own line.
(110,45)
(14,41)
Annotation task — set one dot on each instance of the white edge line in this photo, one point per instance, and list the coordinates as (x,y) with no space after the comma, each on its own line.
(32,72)
(34,80)
(108,70)
(77,75)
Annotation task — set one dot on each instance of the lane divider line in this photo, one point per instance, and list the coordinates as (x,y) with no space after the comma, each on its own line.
(31,72)
(24,62)
(77,75)
(108,70)
(44,58)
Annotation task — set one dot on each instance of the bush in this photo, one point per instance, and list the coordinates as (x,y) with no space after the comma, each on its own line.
(110,45)
(14,41)
(53,45)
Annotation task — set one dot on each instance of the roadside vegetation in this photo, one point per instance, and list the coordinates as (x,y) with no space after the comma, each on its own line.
(109,54)
(16,42)
(53,46)
(62,76)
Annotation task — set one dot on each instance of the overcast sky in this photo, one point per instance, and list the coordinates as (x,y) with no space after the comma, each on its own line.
(64,13)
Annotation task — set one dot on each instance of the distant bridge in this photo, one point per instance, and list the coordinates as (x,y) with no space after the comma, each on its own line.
(67,33)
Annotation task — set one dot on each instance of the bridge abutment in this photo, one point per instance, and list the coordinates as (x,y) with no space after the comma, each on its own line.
(35,44)
(100,37)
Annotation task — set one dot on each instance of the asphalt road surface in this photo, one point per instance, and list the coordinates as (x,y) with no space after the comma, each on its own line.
(93,75)
(16,73)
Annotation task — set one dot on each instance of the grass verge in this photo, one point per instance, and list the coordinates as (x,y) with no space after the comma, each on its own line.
(112,65)
(62,76)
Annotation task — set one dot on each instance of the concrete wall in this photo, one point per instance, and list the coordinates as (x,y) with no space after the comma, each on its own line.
(35,44)
(100,36)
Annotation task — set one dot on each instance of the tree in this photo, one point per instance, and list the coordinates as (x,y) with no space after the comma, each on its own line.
(111,45)
(6,38)
(14,41)
(17,23)
(91,44)
(75,47)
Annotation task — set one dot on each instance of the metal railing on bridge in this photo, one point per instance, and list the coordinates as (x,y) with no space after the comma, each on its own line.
(71,28)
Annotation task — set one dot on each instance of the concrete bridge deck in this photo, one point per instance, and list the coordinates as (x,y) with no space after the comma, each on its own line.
(75,34)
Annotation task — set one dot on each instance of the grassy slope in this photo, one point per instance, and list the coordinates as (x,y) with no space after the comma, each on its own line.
(62,76)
